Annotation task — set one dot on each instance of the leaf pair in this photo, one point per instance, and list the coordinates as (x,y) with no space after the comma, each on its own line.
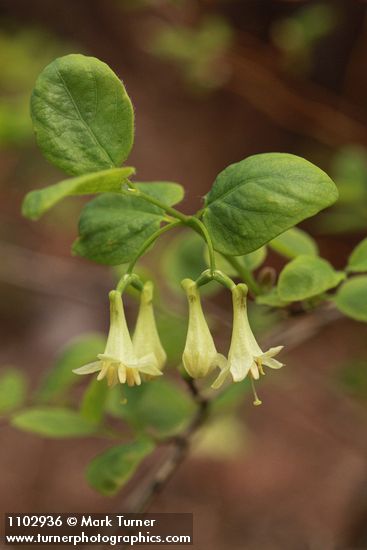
(84,123)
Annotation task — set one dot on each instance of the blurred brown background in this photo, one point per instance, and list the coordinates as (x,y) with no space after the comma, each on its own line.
(212,82)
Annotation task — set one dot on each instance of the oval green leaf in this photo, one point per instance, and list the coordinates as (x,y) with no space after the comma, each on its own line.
(113,227)
(160,407)
(253,201)
(94,401)
(82,115)
(12,389)
(60,378)
(109,471)
(184,257)
(351,298)
(39,201)
(271,299)
(293,243)
(53,422)
(305,277)
(357,262)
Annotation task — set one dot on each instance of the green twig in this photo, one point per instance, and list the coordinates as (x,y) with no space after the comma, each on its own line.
(131,278)
(133,190)
(190,221)
(201,229)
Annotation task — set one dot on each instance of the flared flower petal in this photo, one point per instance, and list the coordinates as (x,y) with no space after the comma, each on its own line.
(90,368)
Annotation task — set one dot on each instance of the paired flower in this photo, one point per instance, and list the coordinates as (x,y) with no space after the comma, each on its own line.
(245,355)
(200,356)
(127,360)
(120,362)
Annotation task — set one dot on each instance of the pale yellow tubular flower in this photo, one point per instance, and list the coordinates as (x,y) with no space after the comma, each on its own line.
(119,362)
(146,339)
(200,356)
(245,355)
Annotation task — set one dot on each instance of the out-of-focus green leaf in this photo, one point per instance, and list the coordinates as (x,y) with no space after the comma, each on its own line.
(349,170)
(271,299)
(82,115)
(351,298)
(172,330)
(15,127)
(231,397)
(77,353)
(305,277)
(293,243)
(24,52)
(94,401)
(39,201)
(223,438)
(357,262)
(255,200)
(198,52)
(353,376)
(250,261)
(13,387)
(53,422)
(298,34)
(113,227)
(157,405)
(184,258)
(108,472)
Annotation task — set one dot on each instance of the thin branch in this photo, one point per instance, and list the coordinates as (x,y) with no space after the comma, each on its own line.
(140,499)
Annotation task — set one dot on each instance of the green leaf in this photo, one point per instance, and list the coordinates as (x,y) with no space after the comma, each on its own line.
(305,277)
(353,377)
(94,401)
(271,299)
(184,257)
(109,471)
(172,329)
(250,261)
(293,243)
(358,259)
(82,115)
(113,227)
(168,192)
(53,422)
(351,298)
(77,353)
(39,201)
(253,201)
(12,389)
(158,405)
(230,398)
(223,438)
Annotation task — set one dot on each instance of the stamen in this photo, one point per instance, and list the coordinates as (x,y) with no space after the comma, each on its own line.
(256,401)
(112,376)
(130,377)
(260,366)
